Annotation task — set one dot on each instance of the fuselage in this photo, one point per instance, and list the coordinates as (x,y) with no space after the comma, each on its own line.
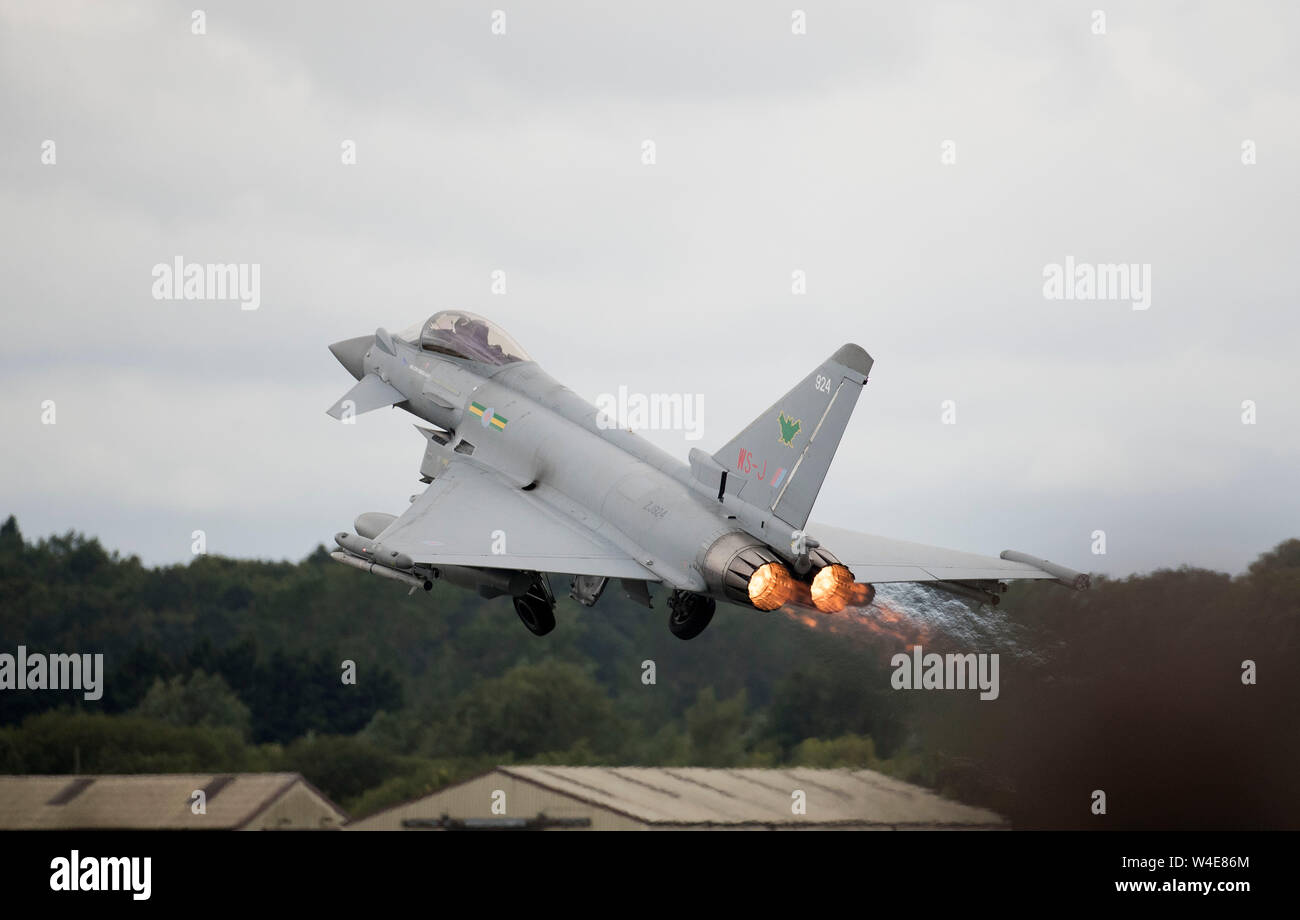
(604,503)
(519,421)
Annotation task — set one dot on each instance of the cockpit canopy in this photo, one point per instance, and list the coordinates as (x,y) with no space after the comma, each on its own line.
(466,335)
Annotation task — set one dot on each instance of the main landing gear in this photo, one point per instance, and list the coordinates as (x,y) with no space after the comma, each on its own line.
(537,607)
(689,613)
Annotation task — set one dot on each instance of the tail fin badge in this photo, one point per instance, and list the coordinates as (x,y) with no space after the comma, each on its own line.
(789,429)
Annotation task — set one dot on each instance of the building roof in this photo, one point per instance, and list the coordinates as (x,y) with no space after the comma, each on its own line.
(148,801)
(670,797)
(697,795)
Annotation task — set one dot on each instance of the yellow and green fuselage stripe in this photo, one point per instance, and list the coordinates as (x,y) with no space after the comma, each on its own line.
(492,420)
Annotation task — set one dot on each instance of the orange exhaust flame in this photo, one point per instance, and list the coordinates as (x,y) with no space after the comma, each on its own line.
(833,589)
(836,602)
(874,621)
(771,585)
(896,624)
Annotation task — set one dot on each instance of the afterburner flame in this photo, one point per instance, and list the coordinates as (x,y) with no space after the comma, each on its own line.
(832,588)
(873,620)
(771,586)
(860,595)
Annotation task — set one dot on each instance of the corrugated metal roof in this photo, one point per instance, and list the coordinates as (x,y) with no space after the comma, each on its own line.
(697,795)
(142,801)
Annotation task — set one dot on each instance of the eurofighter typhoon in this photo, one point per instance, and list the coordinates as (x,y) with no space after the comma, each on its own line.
(527,481)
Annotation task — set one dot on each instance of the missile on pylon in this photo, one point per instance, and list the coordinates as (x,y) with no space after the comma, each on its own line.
(382,571)
(967,590)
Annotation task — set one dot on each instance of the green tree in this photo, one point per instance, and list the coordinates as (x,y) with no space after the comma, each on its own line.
(716,729)
(824,703)
(65,741)
(200,699)
(534,708)
(846,751)
(341,767)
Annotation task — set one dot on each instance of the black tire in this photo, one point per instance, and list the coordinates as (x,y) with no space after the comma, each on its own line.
(689,614)
(537,615)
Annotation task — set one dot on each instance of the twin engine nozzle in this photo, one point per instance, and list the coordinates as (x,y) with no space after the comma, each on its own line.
(831,590)
(748,572)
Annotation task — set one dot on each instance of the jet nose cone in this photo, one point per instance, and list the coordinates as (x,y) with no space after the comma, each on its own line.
(352,352)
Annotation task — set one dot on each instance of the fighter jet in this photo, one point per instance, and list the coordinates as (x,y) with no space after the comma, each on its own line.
(526,481)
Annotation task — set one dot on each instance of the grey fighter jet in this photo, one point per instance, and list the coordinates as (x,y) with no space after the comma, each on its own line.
(527,480)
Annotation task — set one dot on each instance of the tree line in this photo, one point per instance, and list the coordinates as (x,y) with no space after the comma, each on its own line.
(226,665)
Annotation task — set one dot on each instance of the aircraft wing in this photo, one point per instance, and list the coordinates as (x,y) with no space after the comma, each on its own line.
(468,512)
(880,560)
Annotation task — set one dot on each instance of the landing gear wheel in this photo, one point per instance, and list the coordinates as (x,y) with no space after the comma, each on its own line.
(537,607)
(689,613)
(537,615)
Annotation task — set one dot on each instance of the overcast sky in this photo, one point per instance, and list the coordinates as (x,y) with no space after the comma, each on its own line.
(775,152)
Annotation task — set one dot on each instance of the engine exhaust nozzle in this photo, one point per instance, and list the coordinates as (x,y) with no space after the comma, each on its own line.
(833,589)
(770,586)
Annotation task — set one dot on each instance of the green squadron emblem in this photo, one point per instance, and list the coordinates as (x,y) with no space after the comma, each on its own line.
(789,428)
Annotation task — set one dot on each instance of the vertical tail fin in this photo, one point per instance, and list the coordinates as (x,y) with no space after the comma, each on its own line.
(779,462)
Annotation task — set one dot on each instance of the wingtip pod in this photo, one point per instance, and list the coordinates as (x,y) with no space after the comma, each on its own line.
(1079,581)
